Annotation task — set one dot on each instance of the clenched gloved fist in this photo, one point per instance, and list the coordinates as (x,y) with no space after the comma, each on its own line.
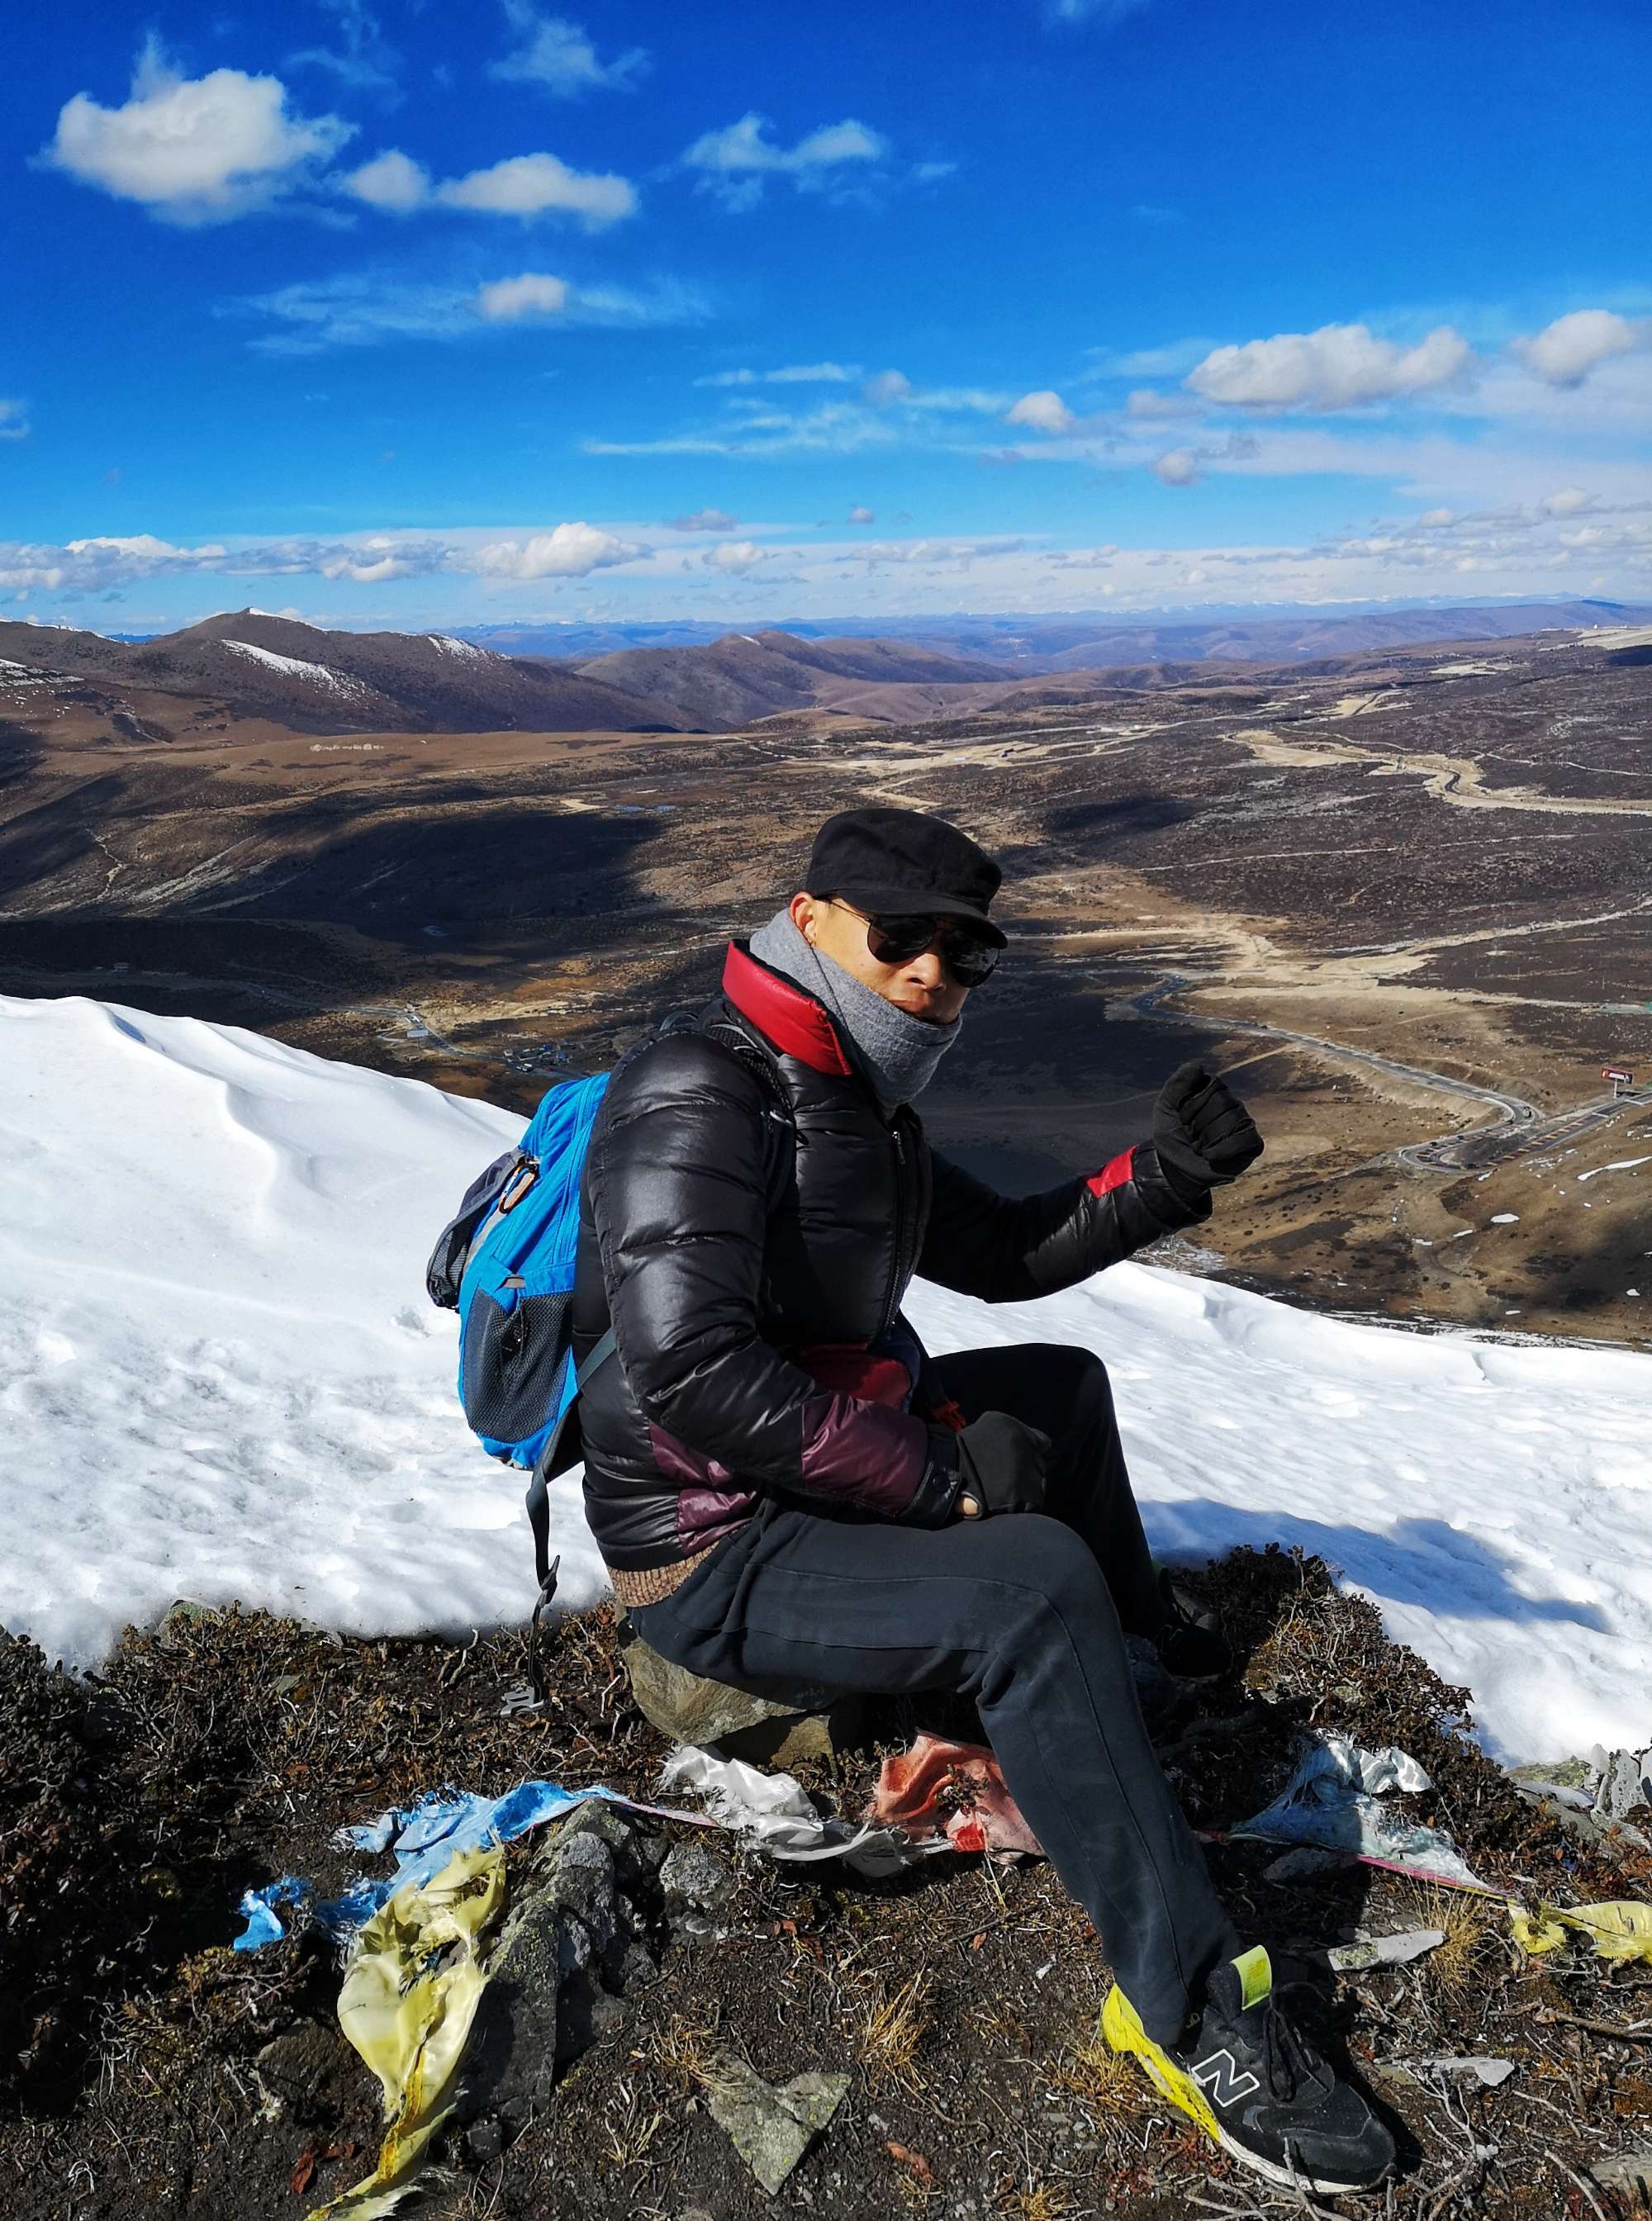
(1003,1462)
(1203,1132)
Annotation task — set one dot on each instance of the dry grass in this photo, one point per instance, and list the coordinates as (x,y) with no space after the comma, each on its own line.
(628,2127)
(1038,2201)
(1475,1933)
(889,2031)
(682,2052)
(1110,2086)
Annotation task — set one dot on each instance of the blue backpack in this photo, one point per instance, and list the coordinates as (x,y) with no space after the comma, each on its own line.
(504,1261)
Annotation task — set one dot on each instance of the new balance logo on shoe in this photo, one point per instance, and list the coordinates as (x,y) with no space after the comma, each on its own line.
(1219,2078)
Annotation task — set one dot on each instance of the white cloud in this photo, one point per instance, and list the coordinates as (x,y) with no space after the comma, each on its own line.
(530,184)
(570,551)
(559,55)
(1338,366)
(1567,501)
(734,161)
(886,388)
(369,570)
(795,373)
(391,181)
(1435,520)
(1105,12)
(368,63)
(811,374)
(1178,466)
(1168,361)
(733,556)
(564,551)
(14,421)
(366,308)
(1145,401)
(193,150)
(706,520)
(1565,352)
(508,300)
(859,515)
(1043,411)
(836,428)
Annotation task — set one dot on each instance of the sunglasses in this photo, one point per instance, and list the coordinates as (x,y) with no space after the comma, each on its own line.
(898,939)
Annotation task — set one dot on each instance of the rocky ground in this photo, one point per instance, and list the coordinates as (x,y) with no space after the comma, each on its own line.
(661,1985)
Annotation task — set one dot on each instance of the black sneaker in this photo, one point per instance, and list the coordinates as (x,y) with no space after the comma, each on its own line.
(1192,1647)
(1257,2087)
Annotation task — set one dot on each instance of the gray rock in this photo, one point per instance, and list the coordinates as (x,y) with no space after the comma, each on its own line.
(484,2142)
(566,1951)
(637,1855)
(1577,1773)
(763,1731)
(699,1889)
(299,2067)
(521,2033)
(578,1878)
(1629,2172)
(771,2128)
(1624,1783)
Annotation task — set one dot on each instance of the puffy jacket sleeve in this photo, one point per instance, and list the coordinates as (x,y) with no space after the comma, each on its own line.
(677,1177)
(1006,1249)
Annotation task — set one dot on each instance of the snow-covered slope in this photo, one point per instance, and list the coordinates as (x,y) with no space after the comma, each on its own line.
(220,1377)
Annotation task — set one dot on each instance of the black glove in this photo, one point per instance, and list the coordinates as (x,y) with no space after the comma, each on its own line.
(1203,1133)
(1003,1462)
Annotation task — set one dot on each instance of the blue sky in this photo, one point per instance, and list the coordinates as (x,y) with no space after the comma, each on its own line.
(387,313)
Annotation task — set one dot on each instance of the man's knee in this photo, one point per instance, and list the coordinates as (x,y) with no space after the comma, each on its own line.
(1076,1379)
(1049,1564)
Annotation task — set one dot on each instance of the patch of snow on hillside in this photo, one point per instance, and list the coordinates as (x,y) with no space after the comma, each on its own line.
(465,649)
(220,1377)
(291,667)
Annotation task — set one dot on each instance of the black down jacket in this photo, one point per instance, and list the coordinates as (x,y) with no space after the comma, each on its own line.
(749,1221)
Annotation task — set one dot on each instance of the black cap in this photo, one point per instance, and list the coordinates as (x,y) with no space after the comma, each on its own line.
(904,860)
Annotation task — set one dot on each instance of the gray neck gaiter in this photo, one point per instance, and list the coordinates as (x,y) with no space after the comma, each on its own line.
(900,1052)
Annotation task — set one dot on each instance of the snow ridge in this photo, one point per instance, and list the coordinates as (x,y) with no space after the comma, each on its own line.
(318,674)
(220,1377)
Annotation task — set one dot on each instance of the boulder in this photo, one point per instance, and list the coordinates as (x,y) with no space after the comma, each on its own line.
(763,1730)
(566,1953)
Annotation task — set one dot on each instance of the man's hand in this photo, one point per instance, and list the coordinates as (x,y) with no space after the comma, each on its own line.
(1203,1132)
(1003,1462)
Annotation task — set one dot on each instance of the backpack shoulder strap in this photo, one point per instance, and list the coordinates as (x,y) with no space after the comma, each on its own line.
(547,1466)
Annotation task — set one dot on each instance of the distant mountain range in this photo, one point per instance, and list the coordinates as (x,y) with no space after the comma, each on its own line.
(312,680)
(1027,644)
(330,682)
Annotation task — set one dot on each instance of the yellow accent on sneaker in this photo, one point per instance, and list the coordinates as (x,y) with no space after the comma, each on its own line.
(1255,1974)
(1121,2024)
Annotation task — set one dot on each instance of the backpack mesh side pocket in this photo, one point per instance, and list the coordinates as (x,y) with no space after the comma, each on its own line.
(511,1364)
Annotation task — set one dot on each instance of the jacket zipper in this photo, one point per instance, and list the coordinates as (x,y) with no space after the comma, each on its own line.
(891,1302)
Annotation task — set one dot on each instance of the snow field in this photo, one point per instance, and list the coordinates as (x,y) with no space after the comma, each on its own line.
(220,1377)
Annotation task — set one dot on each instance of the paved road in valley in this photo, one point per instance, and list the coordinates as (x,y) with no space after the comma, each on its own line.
(1520,1127)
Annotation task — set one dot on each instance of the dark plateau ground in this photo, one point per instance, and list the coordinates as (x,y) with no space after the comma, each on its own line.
(162,2074)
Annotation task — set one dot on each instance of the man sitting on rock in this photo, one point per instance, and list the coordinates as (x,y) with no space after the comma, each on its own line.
(793,1498)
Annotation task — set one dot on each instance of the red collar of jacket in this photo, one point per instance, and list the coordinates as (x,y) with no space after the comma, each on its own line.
(794,1022)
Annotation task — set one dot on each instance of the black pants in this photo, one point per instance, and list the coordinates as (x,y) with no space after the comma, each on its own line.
(1025,1613)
